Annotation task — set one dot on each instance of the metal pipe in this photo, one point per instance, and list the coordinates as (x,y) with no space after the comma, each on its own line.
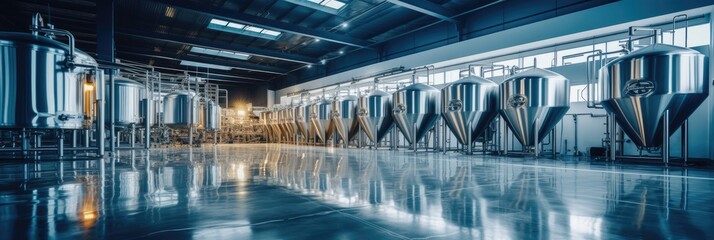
(100,130)
(686,28)
(469,131)
(149,111)
(665,137)
(685,141)
(536,147)
(112,100)
(553,140)
(60,143)
(505,138)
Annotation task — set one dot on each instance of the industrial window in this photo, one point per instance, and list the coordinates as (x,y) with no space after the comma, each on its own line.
(698,35)
(439,78)
(451,76)
(237,28)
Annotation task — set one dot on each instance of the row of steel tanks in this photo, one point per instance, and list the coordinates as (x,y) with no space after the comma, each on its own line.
(532,100)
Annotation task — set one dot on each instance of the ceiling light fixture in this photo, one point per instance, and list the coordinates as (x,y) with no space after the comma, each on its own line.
(220,53)
(204,65)
(237,28)
(329,6)
(345,25)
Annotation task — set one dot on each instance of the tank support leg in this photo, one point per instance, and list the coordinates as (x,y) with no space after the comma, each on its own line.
(685,141)
(60,143)
(665,138)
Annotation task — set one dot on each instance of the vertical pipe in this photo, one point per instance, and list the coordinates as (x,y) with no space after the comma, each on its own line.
(132,141)
(112,100)
(60,143)
(415,141)
(469,143)
(665,137)
(100,129)
(443,136)
(576,152)
(74,138)
(613,138)
(536,148)
(505,139)
(553,142)
(149,106)
(685,141)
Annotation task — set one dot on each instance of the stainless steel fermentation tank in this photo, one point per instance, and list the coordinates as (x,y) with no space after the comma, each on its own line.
(128,95)
(43,88)
(652,91)
(302,120)
(469,105)
(532,102)
(275,125)
(344,117)
(375,115)
(416,108)
(290,123)
(212,120)
(182,109)
(320,118)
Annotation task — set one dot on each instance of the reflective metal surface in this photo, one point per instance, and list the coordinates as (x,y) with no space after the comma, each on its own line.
(39,90)
(302,119)
(320,118)
(290,123)
(212,115)
(128,95)
(469,102)
(344,117)
(266,120)
(416,108)
(275,124)
(375,114)
(533,102)
(639,87)
(272,191)
(182,109)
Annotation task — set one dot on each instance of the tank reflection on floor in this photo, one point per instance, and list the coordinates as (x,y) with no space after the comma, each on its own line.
(284,191)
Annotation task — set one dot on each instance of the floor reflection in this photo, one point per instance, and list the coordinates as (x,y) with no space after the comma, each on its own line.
(284,191)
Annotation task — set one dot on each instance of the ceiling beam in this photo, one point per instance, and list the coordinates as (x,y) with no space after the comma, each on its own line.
(426,7)
(229,63)
(217,45)
(227,76)
(235,16)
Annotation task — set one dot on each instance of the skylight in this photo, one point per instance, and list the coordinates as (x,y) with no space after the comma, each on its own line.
(329,6)
(205,65)
(220,53)
(237,28)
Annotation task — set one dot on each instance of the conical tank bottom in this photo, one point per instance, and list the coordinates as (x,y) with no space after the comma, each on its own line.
(524,122)
(375,115)
(533,102)
(344,116)
(470,101)
(416,110)
(665,77)
(321,120)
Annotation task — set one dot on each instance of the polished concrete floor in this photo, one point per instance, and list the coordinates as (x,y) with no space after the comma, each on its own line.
(293,192)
